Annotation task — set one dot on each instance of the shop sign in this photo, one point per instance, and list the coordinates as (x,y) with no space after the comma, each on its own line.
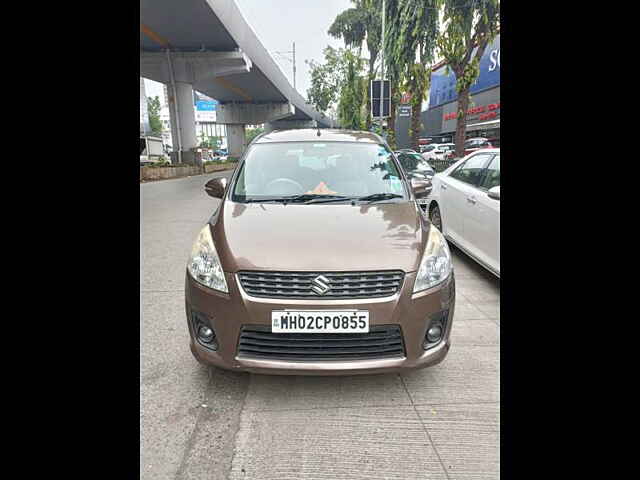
(490,108)
(404,111)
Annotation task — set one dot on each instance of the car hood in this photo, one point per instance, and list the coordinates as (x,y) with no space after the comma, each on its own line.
(327,237)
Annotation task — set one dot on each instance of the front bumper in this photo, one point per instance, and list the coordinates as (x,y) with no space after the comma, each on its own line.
(227,313)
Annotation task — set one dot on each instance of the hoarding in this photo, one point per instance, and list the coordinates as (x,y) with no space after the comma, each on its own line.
(443,86)
(204,103)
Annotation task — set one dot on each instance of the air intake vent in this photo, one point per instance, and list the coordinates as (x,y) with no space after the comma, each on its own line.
(383,341)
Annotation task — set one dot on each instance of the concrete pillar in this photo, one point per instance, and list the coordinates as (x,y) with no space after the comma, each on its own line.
(236,140)
(186,113)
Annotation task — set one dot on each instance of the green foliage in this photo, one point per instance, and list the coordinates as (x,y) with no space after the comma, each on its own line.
(351,112)
(410,43)
(252,133)
(209,141)
(351,26)
(153,109)
(356,25)
(476,25)
(327,79)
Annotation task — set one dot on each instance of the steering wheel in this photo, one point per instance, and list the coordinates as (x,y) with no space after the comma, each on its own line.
(285,181)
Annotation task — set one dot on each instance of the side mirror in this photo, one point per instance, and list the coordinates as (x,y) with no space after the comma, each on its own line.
(417,176)
(421,188)
(494,193)
(215,187)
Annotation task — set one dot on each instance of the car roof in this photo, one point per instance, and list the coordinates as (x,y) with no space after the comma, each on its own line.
(488,150)
(325,135)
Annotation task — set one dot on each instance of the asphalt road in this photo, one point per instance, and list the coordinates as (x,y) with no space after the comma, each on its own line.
(437,423)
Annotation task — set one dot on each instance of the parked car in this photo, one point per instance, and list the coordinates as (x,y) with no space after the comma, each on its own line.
(474,144)
(465,206)
(437,151)
(316,260)
(416,167)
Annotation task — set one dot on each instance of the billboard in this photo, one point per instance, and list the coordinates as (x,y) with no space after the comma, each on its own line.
(204,103)
(443,86)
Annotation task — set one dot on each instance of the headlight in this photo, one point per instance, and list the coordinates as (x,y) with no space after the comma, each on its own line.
(435,266)
(204,264)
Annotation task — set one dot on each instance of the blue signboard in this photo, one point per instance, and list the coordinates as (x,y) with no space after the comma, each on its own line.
(206,105)
(443,86)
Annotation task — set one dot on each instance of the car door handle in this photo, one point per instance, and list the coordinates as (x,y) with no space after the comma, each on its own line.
(443,186)
(471,200)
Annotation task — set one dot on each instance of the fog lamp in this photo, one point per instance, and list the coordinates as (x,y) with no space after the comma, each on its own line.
(434,333)
(205,334)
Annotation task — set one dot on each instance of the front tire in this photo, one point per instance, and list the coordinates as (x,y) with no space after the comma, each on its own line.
(436,217)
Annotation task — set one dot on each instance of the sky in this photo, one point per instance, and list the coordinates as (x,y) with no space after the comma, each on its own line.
(279,23)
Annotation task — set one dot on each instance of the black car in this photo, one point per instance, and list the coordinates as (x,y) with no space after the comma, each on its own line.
(417,167)
(414,164)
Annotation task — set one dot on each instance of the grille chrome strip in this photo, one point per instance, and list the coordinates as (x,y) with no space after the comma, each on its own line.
(342,284)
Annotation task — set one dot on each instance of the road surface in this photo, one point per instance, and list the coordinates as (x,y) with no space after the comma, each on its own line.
(197,423)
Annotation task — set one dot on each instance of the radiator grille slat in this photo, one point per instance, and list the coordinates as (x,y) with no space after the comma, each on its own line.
(383,341)
(343,284)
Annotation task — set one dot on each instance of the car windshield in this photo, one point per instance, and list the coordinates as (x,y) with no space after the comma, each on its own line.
(414,162)
(322,169)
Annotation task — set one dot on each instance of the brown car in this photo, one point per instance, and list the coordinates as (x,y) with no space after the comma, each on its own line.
(318,261)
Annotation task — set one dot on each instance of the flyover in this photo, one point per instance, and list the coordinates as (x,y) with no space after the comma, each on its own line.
(207,45)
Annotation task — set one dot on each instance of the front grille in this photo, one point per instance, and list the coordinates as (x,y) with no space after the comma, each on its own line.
(382,341)
(343,284)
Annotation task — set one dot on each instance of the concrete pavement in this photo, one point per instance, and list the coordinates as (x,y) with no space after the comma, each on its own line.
(196,423)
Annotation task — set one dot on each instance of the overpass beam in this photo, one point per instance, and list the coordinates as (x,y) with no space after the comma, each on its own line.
(253,113)
(289,124)
(237,115)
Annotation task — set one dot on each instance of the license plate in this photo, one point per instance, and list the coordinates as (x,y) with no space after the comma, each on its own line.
(423,201)
(333,321)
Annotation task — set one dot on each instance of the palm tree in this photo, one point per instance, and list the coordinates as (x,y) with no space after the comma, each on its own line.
(357,25)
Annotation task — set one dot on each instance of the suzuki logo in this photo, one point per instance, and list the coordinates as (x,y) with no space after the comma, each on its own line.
(320,285)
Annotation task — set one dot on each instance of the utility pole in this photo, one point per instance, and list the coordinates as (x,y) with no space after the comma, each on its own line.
(294,65)
(382,71)
(289,52)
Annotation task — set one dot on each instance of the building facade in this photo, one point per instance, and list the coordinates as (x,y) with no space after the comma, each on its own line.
(438,118)
(483,114)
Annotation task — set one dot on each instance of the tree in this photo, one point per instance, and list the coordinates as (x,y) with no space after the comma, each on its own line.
(353,94)
(252,133)
(153,108)
(410,43)
(467,31)
(354,26)
(327,79)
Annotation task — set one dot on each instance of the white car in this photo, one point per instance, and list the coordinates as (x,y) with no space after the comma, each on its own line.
(465,206)
(437,151)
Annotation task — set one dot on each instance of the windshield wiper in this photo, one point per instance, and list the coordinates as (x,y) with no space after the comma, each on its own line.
(328,198)
(304,197)
(375,197)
